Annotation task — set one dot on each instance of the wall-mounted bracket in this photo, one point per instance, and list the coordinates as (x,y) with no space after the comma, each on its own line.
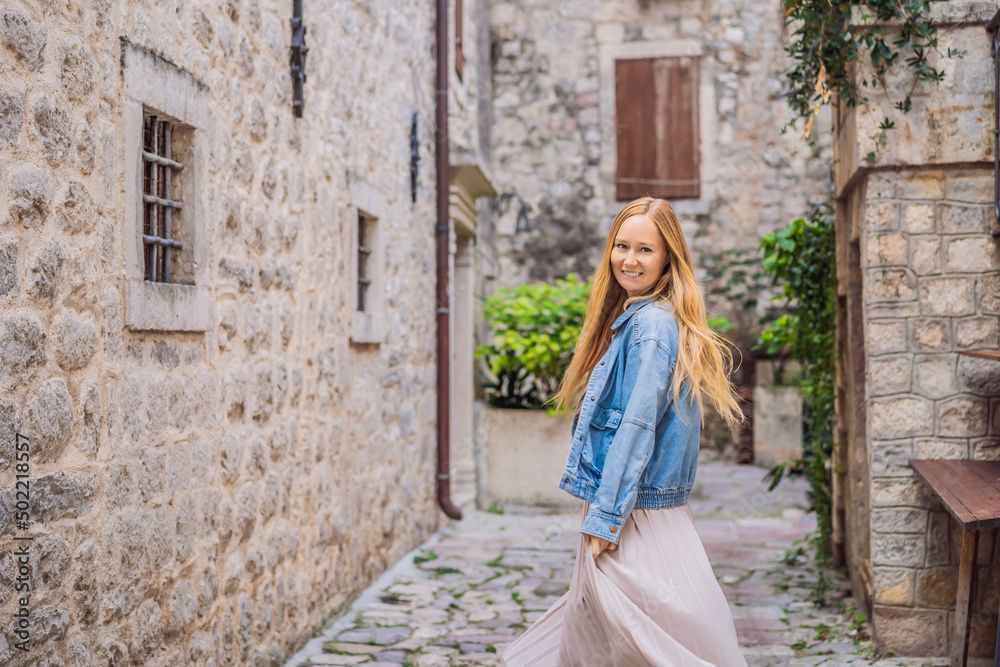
(298,60)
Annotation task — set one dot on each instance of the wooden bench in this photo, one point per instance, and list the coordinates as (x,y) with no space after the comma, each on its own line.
(970,491)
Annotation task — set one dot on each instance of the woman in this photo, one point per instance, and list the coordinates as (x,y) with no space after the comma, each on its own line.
(642,592)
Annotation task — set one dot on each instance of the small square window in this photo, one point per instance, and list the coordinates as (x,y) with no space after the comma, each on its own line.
(165,115)
(368,211)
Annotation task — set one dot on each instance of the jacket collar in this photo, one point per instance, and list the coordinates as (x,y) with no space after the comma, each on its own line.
(629,311)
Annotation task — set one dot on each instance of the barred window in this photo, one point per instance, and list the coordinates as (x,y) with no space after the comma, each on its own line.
(159,202)
(364,251)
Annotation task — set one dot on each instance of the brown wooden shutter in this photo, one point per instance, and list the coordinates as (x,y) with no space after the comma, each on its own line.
(658,140)
(459,53)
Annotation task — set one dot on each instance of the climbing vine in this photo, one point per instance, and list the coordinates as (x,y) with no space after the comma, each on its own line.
(831,38)
(800,259)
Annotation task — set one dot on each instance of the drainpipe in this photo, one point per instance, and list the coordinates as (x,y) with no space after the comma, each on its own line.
(442,231)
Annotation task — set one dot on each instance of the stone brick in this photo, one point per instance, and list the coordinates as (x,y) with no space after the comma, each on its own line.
(891,284)
(962,219)
(893,585)
(961,417)
(78,212)
(31,195)
(76,70)
(936,587)
(48,623)
(46,272)
(919,218)
(11,118)
(899,521)
(970,255)
(901,417)
(911,632)
(86,591)
(10,423)
(887,249)
(889,375)
(947,296)
(245,628)
(931,334)
(880,217)
(85,148)
(895,549)
(22,350)
(969,188)
(147,628)
(24,37)
(890,459)
(979,376)
(52,129)
(246,512)
(76,339)
(925,256)
(920,186)
(934,376)
(986,450)
(941,449)
(939,537)
(53,556)
(60,495)
(976,333)
(48,420)
(898,492)
(182,608)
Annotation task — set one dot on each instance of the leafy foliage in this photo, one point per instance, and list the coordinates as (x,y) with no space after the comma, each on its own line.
(535,327)
(800,257)
(826,48)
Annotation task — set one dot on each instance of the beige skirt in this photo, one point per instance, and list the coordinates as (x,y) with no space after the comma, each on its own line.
(652,601)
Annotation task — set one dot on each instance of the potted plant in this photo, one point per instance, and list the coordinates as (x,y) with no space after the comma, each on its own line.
(522,441)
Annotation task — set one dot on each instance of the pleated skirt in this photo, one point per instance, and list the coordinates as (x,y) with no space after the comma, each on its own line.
(652,601)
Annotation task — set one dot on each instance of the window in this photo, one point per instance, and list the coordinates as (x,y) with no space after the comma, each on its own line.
(364,220)
(164,112)
(159,203)
(656,118)
(368,211)
(459,31)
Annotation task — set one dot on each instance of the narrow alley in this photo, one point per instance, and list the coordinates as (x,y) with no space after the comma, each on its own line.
(476,584)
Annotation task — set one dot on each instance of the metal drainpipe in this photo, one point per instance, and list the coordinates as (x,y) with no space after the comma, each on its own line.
(442,301)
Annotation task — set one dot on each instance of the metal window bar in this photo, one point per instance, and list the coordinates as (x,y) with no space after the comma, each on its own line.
(158,207)
(363,253)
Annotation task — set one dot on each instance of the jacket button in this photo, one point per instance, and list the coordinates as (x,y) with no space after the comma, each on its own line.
(602,363)
(566,481)
(614,529)
(591,398)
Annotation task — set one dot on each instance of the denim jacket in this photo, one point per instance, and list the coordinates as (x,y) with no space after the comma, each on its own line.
(633,445)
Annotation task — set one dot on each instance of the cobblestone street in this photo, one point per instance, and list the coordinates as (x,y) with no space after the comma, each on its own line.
(478,583)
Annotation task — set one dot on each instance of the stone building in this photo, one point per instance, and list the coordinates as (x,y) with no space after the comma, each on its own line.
(578,89)
(231,416)
(918,282)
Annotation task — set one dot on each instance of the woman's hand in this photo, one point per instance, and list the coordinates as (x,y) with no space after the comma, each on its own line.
(597,545)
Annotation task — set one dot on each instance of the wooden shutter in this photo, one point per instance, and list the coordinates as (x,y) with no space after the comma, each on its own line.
(656,118)
(459,32)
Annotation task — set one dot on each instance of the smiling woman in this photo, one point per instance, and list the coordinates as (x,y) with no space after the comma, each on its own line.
(643,591)
(639,255)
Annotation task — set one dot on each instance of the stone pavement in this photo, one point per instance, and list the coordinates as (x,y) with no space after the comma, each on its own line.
(478,583)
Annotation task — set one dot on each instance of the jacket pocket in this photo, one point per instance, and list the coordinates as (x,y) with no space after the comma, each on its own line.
(606,418)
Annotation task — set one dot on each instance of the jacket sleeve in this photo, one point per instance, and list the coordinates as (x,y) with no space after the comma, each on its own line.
(647,394)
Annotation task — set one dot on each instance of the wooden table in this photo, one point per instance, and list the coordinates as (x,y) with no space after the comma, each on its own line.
(970,490)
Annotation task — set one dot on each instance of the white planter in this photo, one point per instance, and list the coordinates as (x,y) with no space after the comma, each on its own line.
(521,455)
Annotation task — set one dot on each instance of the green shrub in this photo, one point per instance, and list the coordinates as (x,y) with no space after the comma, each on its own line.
(535,327)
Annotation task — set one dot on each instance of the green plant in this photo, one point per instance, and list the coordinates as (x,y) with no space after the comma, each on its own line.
(535,327)
(495,508)
(830,39)
(424,557)
(800,258)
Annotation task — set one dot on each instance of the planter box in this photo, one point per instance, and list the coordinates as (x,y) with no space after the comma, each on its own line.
(521,455)
(777,419)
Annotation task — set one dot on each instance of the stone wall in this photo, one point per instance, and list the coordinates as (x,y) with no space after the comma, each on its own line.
(555,129)
(213,497)
(930,275)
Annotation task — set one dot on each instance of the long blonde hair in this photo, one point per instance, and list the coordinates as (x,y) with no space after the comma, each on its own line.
(703,358)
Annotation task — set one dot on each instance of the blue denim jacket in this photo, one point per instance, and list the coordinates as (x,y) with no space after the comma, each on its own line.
(633,446)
